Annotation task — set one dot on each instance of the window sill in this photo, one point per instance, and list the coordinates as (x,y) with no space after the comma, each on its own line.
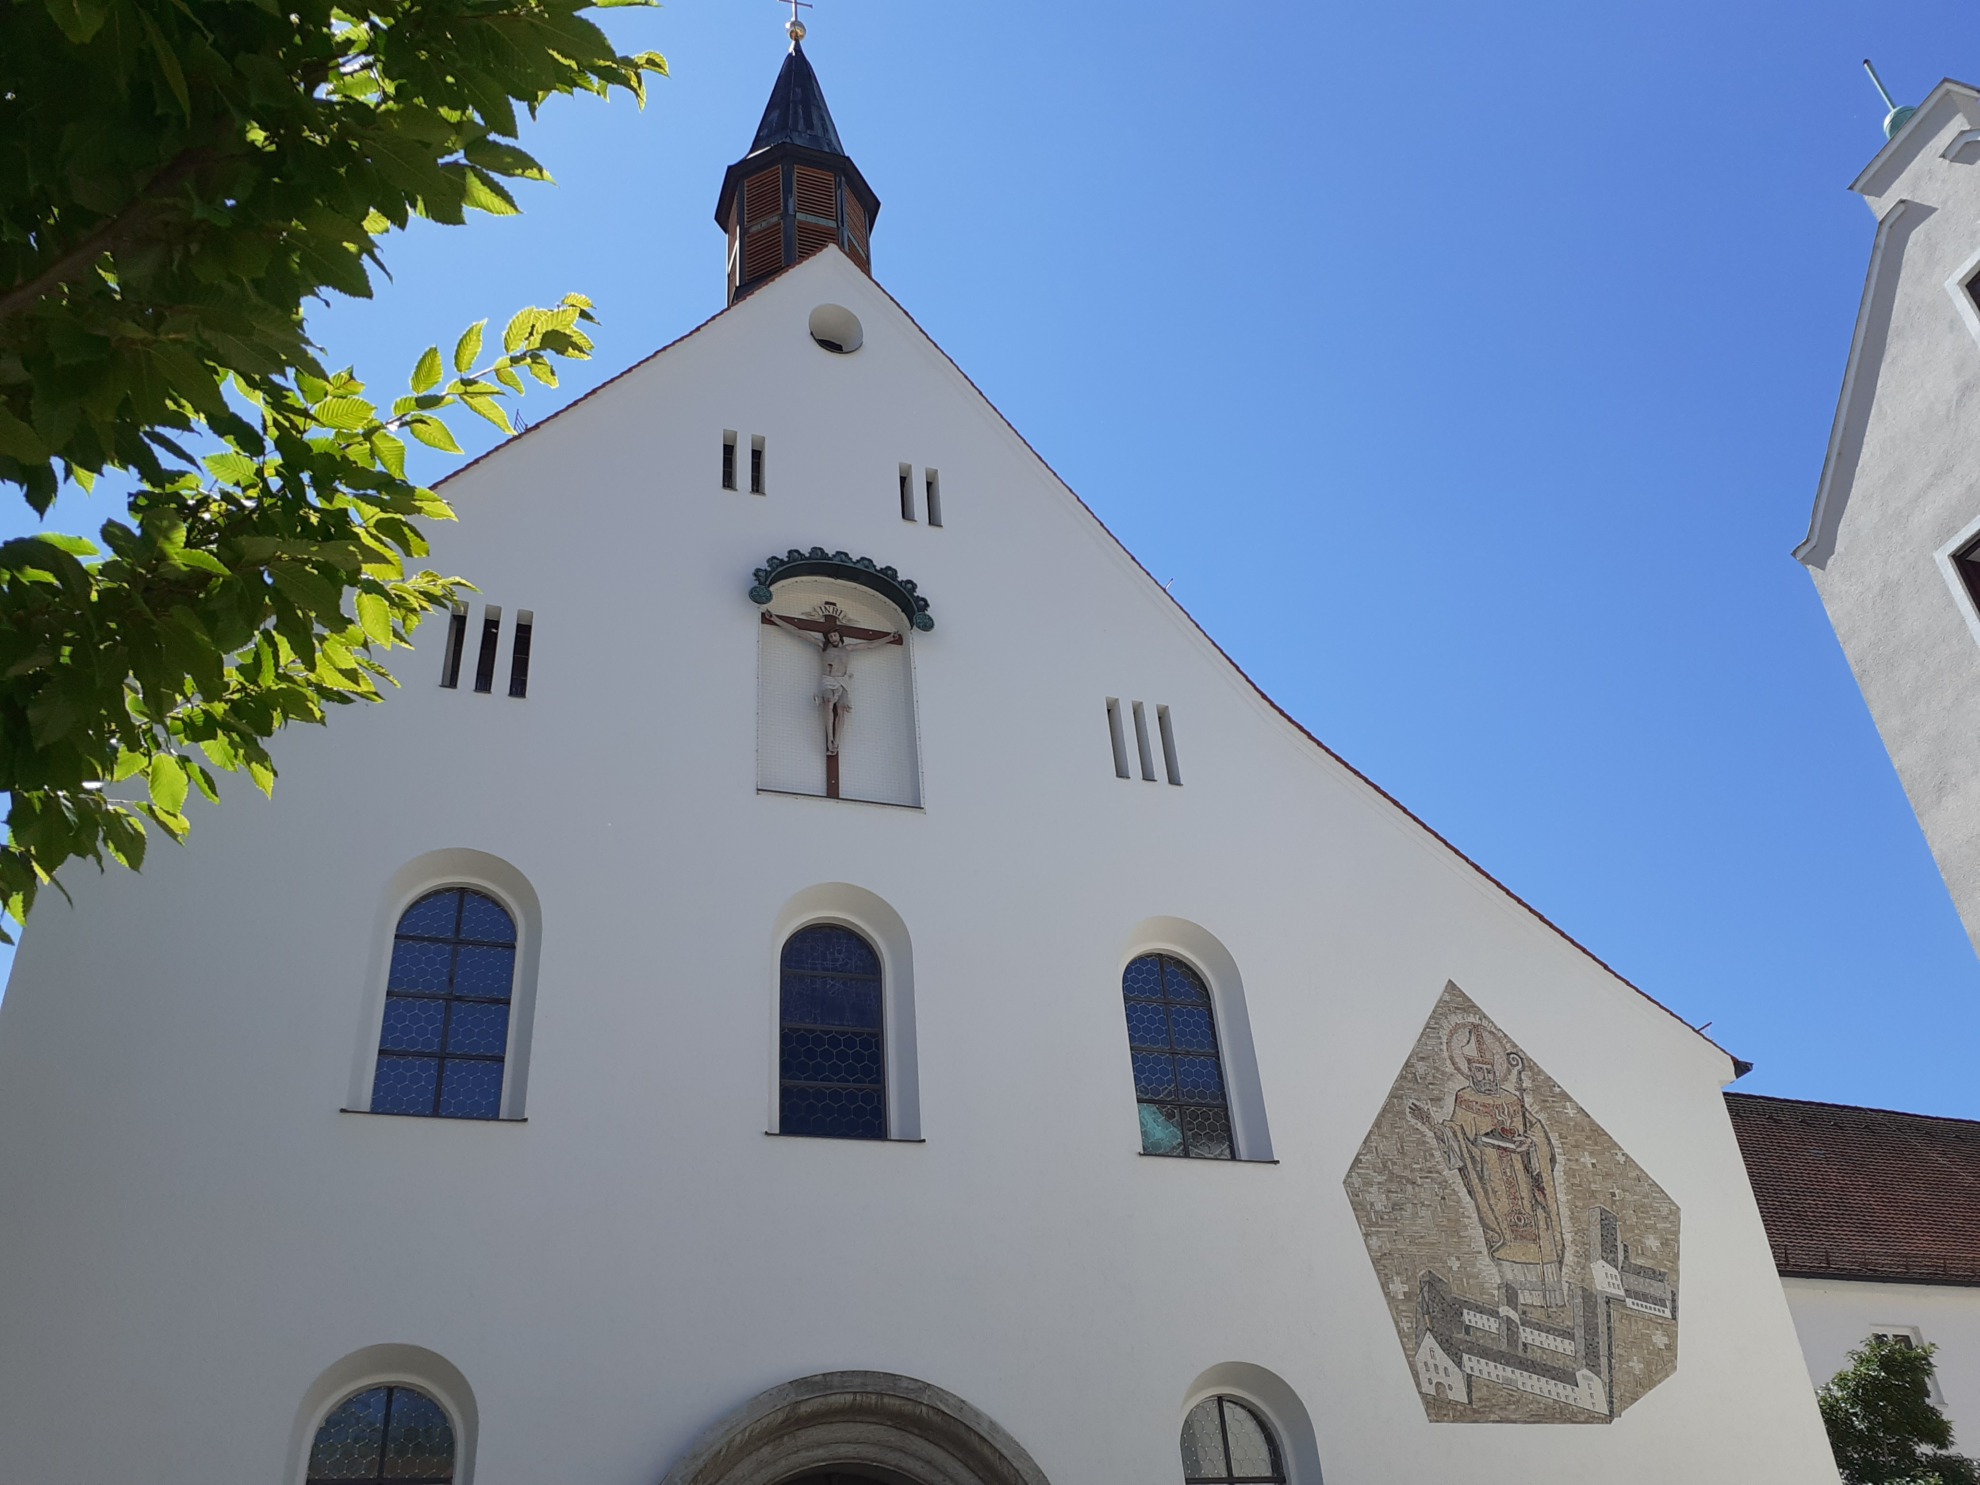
(885,804)
(436,1118)
(1202,1160)
(842,1139)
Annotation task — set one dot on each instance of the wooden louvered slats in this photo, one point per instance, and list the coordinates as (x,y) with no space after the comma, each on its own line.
(812,238)
(817,194)
(763,196)
(763,250)
(856,230)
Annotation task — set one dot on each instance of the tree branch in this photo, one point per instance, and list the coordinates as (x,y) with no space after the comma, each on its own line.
(107,237)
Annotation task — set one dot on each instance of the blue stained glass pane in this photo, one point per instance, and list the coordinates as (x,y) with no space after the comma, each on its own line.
(829,949)
(1160,1133)
(411,1025)
(1154,1075)
(433,915)
(839,1113)
(1183,983)
(831,1056)
(478,1028)
(483,970)
(1199,1080)
(351,1442)
(827,1000)
(1147,1026)
(1190,1025)
(404,1085)
(485,920)
(1143,978)
(417,966)
(472,1090)
(419,1443)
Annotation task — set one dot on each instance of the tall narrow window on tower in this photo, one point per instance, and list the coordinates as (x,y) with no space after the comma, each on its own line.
(450,660)
(491,636)
(756,465)
(728,458)
(519,660)
(934,488)
(907,492)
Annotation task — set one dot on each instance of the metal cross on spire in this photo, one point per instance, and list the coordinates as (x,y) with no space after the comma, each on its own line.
(796,27)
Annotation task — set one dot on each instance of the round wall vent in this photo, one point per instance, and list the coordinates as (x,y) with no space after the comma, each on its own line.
(837,329)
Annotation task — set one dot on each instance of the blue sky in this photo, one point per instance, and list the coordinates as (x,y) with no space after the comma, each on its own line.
(1468,370)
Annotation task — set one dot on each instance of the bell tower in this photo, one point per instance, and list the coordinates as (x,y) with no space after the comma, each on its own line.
(796,191)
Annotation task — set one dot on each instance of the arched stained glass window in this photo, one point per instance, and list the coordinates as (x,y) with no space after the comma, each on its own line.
(1225,1443)
(392,1433)
(445,1034)
(832,1048)
(1178,1076)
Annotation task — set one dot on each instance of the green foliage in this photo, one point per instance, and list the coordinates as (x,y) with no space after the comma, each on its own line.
(178,178)
(1882,1423)
(218,613)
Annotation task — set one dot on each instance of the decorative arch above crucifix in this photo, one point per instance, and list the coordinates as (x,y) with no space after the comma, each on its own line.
(817,562)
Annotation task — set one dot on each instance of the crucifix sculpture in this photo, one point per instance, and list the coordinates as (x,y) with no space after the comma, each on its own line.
(826,627)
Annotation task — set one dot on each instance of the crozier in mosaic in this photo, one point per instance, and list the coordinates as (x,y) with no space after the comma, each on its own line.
(1530,1266)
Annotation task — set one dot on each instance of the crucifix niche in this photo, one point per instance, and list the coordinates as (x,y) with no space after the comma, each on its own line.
(826,617)
(826,627)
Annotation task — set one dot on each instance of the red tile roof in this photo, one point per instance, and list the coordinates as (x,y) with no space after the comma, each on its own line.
(1863,1193)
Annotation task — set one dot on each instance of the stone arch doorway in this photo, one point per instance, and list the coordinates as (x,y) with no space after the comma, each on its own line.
(856,1428)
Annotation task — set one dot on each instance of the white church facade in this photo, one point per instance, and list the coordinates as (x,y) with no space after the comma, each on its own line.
(826,973)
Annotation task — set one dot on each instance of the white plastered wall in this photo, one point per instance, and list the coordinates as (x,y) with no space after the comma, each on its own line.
(1834,1316)
(191,1219)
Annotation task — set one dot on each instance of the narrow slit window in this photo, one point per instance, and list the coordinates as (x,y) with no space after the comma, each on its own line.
(1973,290)
(1119,738)
(519,669)
(934,497)
(450,662)
(1168,731)
(907,492)
(728,459)
(1141,743)
(491,636)
(756,465)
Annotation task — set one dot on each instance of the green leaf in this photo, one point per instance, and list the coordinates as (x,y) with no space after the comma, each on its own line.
(79,19)
(375,614)
(484,192)
(468,347)
(345,412)
(199,561)
(490,409)
(168,63)
(75,546)
(426,376)
(168,783)
(18,440)
(430,431)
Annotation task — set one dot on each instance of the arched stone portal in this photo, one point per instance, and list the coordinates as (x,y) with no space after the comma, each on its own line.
(894,1430)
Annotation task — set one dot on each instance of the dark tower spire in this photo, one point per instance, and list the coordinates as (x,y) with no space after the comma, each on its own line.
(796,191)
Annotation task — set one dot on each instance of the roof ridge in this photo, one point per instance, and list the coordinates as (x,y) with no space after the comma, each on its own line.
(1849,1108)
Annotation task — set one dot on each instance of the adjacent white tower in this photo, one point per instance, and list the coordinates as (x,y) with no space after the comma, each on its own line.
(1894,545)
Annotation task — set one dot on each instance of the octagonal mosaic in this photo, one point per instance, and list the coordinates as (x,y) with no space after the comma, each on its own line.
(1530,1266)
